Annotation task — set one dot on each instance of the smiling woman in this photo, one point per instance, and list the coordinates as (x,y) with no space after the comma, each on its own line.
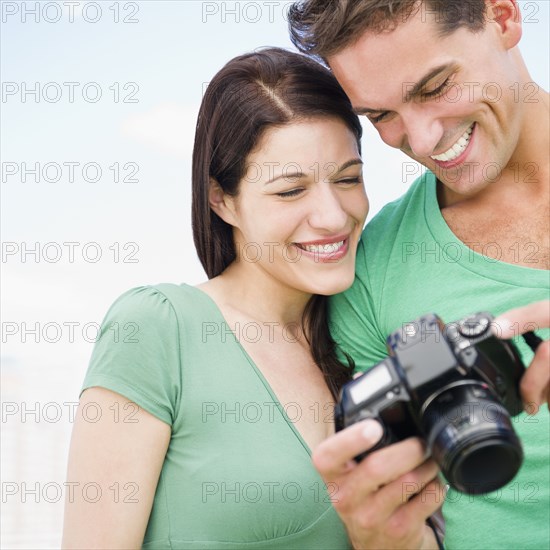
(234,379)
(307,225)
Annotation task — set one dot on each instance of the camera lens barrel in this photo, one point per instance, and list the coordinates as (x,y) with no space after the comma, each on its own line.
(470,435)
(456,386)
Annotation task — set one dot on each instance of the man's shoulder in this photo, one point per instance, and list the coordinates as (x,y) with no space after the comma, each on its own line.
(407,209)
(380,248)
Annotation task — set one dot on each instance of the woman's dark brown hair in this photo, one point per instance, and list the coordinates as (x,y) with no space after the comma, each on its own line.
(251,93)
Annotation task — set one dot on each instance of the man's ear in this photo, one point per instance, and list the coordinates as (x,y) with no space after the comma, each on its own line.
(507,15)
(221,203)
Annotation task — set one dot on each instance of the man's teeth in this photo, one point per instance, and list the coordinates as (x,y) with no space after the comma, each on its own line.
(457,149)
(323,248)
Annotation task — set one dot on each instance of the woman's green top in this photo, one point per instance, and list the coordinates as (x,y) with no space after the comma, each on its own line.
(237,473)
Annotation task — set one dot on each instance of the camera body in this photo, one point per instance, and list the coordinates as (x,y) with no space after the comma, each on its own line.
(454,385)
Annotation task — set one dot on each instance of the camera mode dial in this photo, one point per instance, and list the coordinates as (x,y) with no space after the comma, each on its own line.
(474,326)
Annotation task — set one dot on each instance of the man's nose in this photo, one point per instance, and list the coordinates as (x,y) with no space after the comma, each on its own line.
(423,134)
(415,131)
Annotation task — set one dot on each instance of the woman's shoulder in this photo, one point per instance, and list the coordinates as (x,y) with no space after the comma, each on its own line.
(151,315)
(164,310)
(157,300)
(140,348)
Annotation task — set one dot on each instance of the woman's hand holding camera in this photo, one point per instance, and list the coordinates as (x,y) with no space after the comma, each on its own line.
(385,499)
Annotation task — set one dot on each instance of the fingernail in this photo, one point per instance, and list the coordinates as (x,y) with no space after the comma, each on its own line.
(372,431)
(502,327)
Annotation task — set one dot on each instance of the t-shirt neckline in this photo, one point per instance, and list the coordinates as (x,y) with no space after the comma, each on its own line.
(207,298)
(470,259)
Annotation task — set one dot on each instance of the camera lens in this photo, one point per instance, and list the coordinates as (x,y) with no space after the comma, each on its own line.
(471,437)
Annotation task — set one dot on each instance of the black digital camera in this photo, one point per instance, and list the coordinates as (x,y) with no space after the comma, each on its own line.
(454,385)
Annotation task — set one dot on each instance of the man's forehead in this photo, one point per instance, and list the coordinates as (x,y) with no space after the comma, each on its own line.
(405,36)
(379,65)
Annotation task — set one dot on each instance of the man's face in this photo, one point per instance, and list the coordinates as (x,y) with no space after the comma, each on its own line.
(448,102)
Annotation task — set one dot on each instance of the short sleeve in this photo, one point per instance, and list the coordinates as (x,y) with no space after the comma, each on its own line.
(352,320)
(137,353)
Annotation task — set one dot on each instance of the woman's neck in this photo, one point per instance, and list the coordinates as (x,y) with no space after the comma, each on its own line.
(257,295)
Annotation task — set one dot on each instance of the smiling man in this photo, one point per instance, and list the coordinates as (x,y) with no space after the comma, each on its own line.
(445,82)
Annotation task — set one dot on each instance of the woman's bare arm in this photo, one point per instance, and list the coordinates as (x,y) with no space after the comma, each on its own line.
(115,459)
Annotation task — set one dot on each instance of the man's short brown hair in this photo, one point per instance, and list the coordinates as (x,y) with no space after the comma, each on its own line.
(322,28)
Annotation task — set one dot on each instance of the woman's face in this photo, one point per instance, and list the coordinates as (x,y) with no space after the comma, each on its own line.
(301,206)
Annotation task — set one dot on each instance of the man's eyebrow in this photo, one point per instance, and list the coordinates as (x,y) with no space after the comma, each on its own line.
(296,175)
(365,110)
(412,89)
(421,84)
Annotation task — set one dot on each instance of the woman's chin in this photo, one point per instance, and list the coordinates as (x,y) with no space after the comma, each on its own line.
(333,284)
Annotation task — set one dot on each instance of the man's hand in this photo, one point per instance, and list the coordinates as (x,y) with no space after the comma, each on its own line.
(385,499)
(535,384)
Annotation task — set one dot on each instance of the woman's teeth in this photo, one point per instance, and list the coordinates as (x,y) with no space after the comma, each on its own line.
(457,149)
(322,248)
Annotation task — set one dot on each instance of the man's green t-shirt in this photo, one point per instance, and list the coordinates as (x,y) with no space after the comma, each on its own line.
(410,263)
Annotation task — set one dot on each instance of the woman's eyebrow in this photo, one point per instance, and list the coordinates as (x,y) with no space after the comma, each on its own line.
(299,174)
(349,163)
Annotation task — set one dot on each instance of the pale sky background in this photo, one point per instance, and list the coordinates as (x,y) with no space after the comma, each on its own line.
(162,61)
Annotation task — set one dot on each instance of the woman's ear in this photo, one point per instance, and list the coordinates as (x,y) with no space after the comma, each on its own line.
(222,203)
